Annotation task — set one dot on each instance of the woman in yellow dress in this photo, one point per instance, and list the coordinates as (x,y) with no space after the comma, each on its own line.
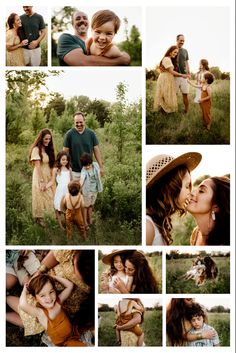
(42,157)
(14,51)
(165,96)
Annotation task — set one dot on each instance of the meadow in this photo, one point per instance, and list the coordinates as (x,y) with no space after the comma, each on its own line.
(151,326)
(178,267)
(155,261)
(180,128)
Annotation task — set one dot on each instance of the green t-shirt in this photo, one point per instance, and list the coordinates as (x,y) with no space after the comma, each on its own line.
(31,26)
(182,58)
(66,43)
(78,144)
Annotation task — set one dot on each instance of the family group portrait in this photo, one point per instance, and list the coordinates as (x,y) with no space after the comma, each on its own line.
(95,36)
(185,211)
(50,298)
(129,271)
(132,321)
(187,76)
(194,322)
(73,158)
(206,272)
(26,36)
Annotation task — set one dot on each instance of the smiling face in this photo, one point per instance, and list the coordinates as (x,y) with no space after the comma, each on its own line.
(201,200)
(184,194)
(197,322)
(174,53)
(80,23)
(46,140)
(64,161)
(180,41)
(103,35)
(118,264)
(46,297)
(79,123)
(129,268)
(28,10)
(17,22)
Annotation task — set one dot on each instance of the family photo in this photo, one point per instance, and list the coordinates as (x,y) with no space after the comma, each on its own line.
(26,36)
(185,211)
(96,37)
(187,77)
(130,271)
(198,323)
(198,271)
(130,322)
(73,158)
(50,298)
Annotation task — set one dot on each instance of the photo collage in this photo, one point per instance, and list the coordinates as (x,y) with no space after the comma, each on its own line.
(119,151)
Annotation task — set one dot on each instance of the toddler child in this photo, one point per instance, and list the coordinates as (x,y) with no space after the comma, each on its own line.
(105,25)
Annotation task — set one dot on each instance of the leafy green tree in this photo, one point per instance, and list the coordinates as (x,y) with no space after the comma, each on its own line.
(57,103)
(132,45)
(92,122)
(52,122)
(38,120)
(100,109)
(216,72)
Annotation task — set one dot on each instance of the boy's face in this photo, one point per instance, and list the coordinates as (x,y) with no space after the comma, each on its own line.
(197,322)
(103,35)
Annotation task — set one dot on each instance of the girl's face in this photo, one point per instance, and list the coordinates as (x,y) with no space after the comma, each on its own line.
(63,161)
(129,268)
(118,264)
(17,21)
(201,198)
(47,296)
(184,194)
(197,322)
(103,35)
(46,140)
(174,53)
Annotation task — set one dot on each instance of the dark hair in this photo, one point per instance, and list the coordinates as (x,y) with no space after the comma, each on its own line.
(211,268)
(58,159)
(11,20)
(209,77)
(143,278)
(103,16)
(195,310)
(37,283)
(179,35)
(205,64)
(161,200)
(113,270)
(86,159)
(49,150)
(79,113)
(74,187)
(167,54)
(220,234)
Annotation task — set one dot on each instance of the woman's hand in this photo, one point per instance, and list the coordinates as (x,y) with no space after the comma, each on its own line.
(209,334)
(24,42)
(120,285)
(42,186)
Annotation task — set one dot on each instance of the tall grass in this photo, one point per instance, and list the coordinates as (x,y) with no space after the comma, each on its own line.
(180,128)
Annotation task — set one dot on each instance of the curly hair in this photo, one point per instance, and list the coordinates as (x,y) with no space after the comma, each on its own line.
(49,150)
(57,163)
(162,201)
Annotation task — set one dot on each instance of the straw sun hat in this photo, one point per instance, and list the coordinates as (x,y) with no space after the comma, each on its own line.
(107,258)
(163,164)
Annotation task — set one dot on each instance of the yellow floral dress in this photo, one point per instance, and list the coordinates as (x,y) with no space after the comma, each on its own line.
(42,201)
(65,269)
(14,57)
(165,96)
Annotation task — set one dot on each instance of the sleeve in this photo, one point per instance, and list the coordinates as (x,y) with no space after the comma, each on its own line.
(9,38)
(41,22)
(167,63)
(66,43)
(35,154)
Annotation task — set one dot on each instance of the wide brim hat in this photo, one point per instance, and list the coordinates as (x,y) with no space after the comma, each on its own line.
(107,258)
(162,164)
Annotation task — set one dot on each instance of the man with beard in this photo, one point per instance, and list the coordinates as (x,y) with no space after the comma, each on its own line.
(71,49)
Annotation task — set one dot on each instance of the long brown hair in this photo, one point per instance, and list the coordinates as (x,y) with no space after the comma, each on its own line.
(167,54)
(162,201)
(48,149)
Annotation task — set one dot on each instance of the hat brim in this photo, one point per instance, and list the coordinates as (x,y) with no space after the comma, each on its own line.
(107,258)
(190,160)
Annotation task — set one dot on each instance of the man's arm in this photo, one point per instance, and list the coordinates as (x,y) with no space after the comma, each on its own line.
(76,57)
(36,42)
(98,157)
(187,67)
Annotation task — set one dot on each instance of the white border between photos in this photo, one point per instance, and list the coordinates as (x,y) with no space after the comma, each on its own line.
(145,156)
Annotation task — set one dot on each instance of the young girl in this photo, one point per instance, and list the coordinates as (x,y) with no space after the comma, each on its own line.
(205,100)
(168,187)
(126,310)
(203,68)
(105,25)
(62,174)
(91,184)
(117,270)
(49,311)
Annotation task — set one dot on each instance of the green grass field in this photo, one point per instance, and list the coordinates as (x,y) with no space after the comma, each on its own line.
(180,128)
(155,263)
(177,267)
(151,326)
